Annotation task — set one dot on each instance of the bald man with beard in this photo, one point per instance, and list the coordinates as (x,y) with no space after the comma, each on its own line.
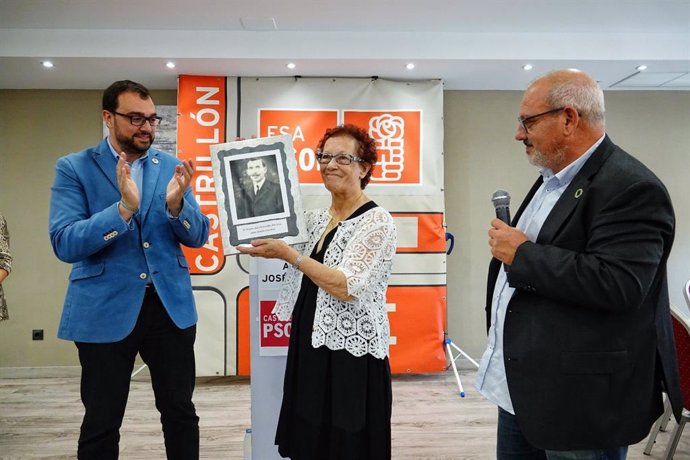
(580,343)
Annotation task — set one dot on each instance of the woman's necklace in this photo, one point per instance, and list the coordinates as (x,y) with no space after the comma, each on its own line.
(336,219)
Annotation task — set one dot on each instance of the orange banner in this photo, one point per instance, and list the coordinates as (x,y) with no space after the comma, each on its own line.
(398,141)
(306,128)
(243,333)
(417,316)
(201,122)
(431,234)
(416,310)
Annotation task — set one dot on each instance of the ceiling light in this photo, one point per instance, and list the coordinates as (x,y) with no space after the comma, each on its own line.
(291,65)
(641,67)
(527,67)
(409,66)
(170,65)
(47,64)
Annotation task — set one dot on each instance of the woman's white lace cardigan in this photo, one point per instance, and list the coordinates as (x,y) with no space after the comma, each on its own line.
(363,249)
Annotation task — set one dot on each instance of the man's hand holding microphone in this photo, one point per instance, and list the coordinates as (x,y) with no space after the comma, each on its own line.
(504,239)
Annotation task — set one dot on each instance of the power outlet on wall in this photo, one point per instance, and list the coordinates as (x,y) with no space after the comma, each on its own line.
(37,334)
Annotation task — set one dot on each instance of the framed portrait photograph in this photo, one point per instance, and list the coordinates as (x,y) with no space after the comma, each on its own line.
(257,190)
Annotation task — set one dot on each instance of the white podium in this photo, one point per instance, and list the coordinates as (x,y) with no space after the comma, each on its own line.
(267,359)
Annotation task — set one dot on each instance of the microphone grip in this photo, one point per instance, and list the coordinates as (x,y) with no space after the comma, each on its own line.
(503,213)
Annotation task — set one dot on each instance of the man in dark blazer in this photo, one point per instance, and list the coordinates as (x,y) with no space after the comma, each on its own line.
(119,213)
(580,339)
(259,196)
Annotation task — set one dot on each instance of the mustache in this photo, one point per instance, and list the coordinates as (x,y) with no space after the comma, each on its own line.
(527,143)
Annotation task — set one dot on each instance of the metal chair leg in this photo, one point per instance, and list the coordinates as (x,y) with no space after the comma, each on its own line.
(675,437)
(663,420)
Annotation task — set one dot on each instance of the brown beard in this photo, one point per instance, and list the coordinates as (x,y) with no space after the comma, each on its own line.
(129,146)
(552,160)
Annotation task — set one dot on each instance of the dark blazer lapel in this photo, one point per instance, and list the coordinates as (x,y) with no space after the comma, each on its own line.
(576,191)
(526,201)
(495,264)
(152,171)
(105,160)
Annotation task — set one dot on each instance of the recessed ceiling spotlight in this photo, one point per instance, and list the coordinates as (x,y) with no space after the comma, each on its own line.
(170,65)
(47,64)
(409,66)
(527,67)
(291,65)
(641,67)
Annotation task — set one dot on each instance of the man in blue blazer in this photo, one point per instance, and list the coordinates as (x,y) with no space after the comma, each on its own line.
(119,213)
(580,339)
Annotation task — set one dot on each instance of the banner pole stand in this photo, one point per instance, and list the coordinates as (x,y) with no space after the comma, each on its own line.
(448,343)
(141,368)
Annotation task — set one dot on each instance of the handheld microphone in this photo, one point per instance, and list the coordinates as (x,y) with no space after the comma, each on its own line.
(501,201)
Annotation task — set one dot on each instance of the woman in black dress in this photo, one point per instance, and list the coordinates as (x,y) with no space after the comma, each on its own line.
(337,390)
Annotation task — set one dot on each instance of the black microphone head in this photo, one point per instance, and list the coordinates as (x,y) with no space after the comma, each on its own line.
(500,198)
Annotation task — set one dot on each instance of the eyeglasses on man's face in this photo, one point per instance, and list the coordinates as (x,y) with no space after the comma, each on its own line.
(526,122)
(139,120)
(341,158)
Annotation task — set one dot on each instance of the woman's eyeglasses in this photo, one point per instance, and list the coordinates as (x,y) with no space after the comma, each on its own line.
(341,158)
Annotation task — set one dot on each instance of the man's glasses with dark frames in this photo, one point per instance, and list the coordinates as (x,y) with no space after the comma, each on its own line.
(139,120)
(526,121)
(341,158)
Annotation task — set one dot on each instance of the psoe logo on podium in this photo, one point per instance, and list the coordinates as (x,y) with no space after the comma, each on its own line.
(275,334)
(398,141)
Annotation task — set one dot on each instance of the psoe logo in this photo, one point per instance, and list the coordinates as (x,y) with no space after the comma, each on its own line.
(389,132)
(397,136)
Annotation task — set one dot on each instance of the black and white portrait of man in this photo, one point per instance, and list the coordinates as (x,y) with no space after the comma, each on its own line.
(257,193)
